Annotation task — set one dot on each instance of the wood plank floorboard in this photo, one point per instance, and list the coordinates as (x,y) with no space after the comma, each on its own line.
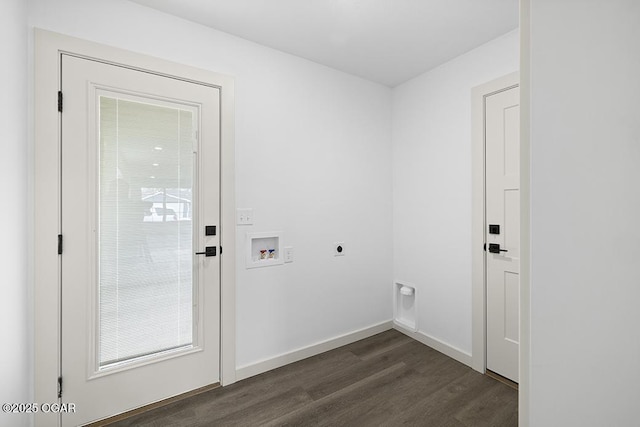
(385,380)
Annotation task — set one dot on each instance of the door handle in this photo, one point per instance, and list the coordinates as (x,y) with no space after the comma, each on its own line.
(494,248)
(208,251)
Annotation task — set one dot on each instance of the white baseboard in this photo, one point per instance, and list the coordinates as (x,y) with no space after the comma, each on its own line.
(436,344)
(247,371)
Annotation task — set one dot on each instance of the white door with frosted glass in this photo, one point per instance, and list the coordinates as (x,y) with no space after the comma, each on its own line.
(140,181)
(502,144)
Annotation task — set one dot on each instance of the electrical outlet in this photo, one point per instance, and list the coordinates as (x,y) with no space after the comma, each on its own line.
(244,216)
(338,249)
(288,253)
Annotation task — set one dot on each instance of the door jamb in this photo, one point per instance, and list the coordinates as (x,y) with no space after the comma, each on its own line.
(48,49)
(478,232)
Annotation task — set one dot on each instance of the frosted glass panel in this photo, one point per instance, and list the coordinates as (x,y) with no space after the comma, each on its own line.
(146,277)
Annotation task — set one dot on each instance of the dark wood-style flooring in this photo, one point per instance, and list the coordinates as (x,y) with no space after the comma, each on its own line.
(385,380)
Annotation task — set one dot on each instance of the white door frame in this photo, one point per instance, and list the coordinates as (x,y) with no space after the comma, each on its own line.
(478,256)
(48,49)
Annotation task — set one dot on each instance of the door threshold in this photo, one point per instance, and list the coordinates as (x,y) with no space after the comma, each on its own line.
(152,406)
(503,380)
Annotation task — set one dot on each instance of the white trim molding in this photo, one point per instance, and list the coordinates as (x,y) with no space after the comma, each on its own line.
(48,49)
(280,360)
(524,380)
(478,255)
(436,344)
(257,368)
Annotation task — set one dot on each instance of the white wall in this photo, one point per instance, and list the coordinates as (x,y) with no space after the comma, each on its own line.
(432,186)
(15,360)
(585,213)
(312,159)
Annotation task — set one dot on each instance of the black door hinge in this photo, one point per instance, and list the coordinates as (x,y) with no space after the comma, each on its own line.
(485,247)
(59,244)
(220,250)
(60,101)
(59,387)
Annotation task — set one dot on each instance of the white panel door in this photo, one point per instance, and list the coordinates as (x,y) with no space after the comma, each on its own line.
(140,181)
(502,133)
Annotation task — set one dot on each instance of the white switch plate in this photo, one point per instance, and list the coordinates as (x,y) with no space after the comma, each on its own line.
(244,216)
(288,253)
(338,249)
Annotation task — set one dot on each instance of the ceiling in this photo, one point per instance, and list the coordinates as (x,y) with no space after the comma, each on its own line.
(386,41)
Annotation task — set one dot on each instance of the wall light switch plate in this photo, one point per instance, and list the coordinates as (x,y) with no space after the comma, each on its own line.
(338,249)
(288,253)
(244,216)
